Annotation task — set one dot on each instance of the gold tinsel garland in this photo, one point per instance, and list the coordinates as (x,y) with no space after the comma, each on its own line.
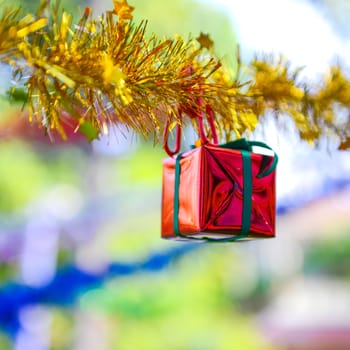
(105,70)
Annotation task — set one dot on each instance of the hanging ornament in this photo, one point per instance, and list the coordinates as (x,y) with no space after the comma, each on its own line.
(218,193)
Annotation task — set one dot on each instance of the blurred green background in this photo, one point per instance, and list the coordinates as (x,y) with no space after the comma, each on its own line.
(97,203)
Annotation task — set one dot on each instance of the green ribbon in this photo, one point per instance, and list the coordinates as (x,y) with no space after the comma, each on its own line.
(245,147)
(243,144)
(247,193)
(176,195)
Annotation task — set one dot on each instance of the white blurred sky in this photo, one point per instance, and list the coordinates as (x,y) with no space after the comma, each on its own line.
(295,28)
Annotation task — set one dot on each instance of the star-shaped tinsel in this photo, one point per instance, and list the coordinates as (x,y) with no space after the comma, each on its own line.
(123,10)
(205,41)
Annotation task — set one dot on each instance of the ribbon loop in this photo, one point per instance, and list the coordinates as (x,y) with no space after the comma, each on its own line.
(177,138)
(243,144)
(210,118)
(202,133)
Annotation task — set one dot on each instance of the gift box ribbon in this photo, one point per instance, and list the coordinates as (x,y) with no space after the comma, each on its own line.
(246,148)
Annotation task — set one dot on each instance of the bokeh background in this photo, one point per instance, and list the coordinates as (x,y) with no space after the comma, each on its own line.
(82,265)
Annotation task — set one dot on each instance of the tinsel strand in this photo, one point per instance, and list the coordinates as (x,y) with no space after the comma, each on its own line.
(107,71)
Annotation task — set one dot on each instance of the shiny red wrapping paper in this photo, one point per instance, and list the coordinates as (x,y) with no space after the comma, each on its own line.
(211,195)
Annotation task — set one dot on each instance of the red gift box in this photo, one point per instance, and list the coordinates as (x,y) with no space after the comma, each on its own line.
(219,193)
